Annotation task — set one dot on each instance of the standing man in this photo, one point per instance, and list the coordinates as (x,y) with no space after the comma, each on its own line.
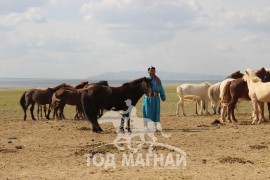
(151,106)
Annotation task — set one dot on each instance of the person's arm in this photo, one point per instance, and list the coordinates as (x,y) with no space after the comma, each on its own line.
(162,92)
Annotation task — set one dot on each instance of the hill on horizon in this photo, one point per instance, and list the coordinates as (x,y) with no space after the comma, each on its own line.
(126,75)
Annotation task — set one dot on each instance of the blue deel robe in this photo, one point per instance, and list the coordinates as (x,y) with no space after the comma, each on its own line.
(151,106)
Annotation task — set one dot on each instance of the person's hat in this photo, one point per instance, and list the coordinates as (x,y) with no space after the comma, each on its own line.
(151,67)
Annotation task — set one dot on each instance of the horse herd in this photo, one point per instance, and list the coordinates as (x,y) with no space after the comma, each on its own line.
(251,86)
(91,99)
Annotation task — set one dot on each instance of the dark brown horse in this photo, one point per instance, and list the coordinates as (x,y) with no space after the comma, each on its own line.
(71,96)
(238,89)
(114,98)
(235,75)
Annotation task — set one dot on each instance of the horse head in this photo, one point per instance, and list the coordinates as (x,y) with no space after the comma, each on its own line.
(263,74)
(236,75)
(251,76)
(103,83)
(148,87)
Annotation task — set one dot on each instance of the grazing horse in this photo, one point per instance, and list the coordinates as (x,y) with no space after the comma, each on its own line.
(238,89)
(224,105)
(198,91)
(71,96)
(39,96)
(259,92)
(213,93)
(108,98)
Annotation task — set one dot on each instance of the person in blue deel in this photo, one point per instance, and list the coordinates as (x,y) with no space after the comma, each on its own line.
(151,106)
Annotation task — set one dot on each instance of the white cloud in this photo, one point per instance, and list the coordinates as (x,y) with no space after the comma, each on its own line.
(141,21)
(31,15)
(112,35)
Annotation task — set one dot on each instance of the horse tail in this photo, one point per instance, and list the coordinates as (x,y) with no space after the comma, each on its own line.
(87,107)
(23,102)
(179,91)
(226,97)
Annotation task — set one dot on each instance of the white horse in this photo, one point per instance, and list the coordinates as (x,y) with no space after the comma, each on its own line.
(259,93)
(214,95)
(197,92)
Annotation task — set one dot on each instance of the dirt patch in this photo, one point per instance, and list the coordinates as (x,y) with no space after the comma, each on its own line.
(233,160)
(258,147)
(84,128)
(8,151)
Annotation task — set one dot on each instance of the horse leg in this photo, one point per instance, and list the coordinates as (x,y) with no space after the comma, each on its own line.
(45,110)
(177,108)
(49,111)
(121,129)
(219,108)
(38,111)
(205,106)
(181,103)
(96,127)
(128,125)
(232,108)
(223,111)
(261,112)
(77,114)
(32,111)
(214,107)
(255,111)
(196,107)
(268,106)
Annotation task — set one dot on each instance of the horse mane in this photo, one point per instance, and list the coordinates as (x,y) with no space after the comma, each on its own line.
(207,83)
(134,82)
(60,86)
(252,76)
(102,83)
(81,84)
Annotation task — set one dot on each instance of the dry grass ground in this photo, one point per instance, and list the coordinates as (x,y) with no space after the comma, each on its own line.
(55,149)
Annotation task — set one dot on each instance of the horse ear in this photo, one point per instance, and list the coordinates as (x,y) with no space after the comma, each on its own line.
(246,72)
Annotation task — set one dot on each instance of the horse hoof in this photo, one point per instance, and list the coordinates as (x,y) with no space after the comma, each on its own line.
(121,130)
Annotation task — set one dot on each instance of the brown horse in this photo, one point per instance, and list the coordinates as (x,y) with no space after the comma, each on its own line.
(224,104)
(39,96)
(71,96)
(238,89)
(109,98)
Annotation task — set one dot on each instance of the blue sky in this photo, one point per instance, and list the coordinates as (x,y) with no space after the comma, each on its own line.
(78,39)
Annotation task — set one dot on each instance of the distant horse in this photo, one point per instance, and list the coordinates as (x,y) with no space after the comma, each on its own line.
(198,91)
(39,96)
(213,93)
(259,93)
(238,89)
(71,96)
(224,105)
(98,97)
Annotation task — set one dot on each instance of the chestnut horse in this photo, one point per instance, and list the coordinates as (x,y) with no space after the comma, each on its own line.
(102,97)
(224,105)
(71,96)
(238,89)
